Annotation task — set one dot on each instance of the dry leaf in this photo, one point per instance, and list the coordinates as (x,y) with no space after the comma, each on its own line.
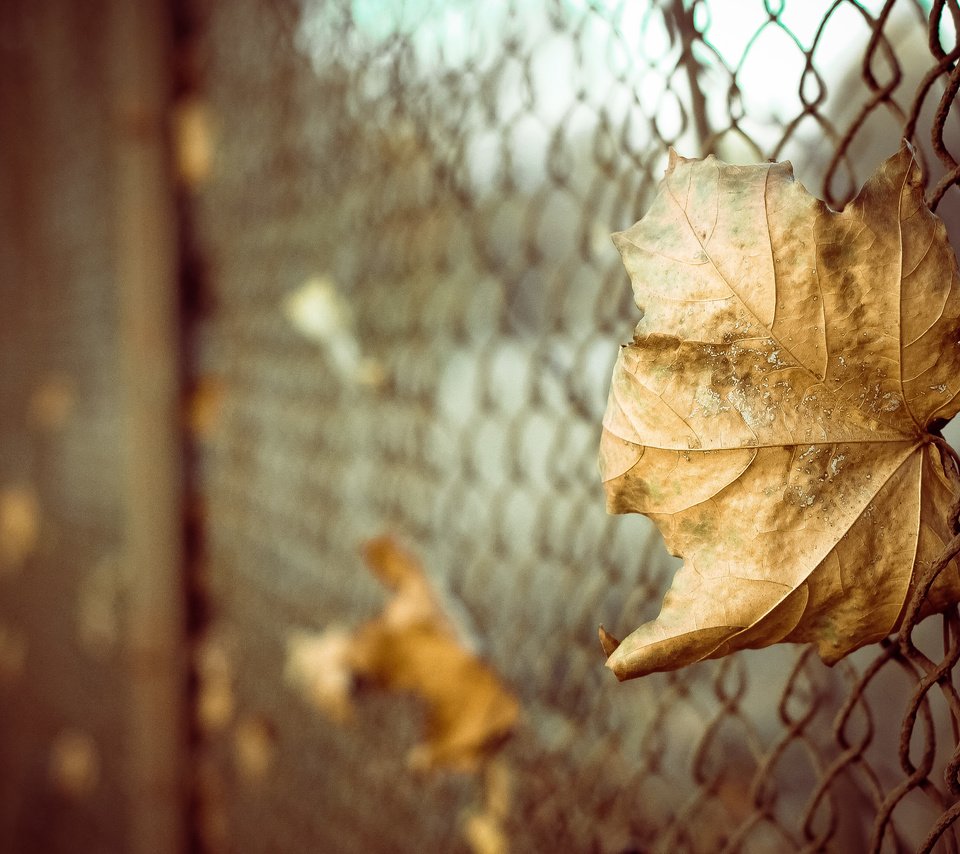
(319,666)
(411,647)
(193,141)
(255,746)
(484,834)
(19,525)
(318,311)
(204,407)
(414,647)
(483,828)
(216,702)
(776,413)
(74,763)
(469,710)
(414,601)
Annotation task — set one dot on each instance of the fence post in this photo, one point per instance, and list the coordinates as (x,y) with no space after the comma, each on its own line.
(146,286)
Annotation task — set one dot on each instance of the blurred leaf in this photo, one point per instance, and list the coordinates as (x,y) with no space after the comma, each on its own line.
(255,746)
(204,406)
(74,763)
(19,525)
(193,141)
(318,664)
(414,648)
(216,702)
(318,311)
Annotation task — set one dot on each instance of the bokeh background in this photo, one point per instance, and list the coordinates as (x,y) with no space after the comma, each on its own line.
(280,278)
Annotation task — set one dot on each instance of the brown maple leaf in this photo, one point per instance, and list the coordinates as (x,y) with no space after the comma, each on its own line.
(776,413)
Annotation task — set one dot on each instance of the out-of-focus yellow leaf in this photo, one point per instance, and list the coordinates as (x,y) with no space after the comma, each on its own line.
(318,311)
(19,525)
(483,828)
(255,745)
(485,835)
(469,710)
(411,647)
(193,141)
(74,763)
(215,697)
(777,411)
(318,664)
(204,406)
(414,602)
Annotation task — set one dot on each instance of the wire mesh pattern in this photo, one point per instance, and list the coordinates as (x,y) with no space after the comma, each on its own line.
(410,306)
